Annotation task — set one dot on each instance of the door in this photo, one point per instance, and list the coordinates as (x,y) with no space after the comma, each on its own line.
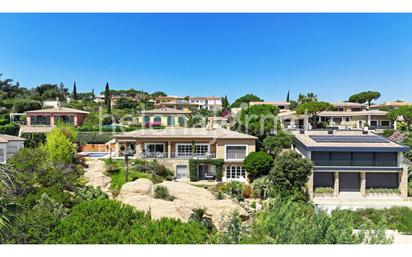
(349,181)
(181,171)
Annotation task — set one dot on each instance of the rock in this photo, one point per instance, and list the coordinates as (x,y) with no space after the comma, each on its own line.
(141,186)
(187,198)
(95,176)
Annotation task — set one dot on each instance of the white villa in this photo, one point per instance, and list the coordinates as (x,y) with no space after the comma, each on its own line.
(9,145)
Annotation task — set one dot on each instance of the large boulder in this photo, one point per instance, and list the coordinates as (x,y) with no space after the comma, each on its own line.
(141,186)
(187,198)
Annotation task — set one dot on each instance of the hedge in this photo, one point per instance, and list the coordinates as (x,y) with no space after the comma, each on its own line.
(94,137)
(10,129)
(33,140)
(193,163)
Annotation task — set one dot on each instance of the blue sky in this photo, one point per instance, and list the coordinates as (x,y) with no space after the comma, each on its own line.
(333,55)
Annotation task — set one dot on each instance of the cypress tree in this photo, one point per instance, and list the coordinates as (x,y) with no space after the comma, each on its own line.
(107,99)
(74,91)
(287,97)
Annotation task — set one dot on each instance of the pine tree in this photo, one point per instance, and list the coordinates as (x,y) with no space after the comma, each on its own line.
(74,91)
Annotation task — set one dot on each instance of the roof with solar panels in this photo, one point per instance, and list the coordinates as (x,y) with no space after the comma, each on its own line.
(342,140)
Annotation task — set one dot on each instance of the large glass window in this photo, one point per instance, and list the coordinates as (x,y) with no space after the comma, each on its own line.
(235,152)
(235,172)
(40,120)
(185,150)
(181,120)
(66,119)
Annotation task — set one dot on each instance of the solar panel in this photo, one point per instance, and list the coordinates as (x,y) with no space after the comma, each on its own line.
(348,139)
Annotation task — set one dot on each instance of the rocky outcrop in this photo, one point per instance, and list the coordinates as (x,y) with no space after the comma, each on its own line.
(187,198)
(95,176)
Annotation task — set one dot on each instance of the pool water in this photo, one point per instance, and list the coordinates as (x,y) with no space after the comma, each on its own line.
(96,154)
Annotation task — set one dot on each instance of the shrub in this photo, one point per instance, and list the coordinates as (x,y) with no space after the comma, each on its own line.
(323,190)
(94,137)
(388,132)
(59,147)
(33,140)
(290,172)
(34,225)
(289,222)
(87,193)
(383,190)
(10,129)
(111,165)
(234,189)
(247,191)
(161,192)
(262,187)
(199,215)
(114,223)
(258,164)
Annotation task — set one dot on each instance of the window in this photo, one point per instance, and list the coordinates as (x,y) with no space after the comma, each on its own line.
(146,119)
(170,120)
(385,123)
(235,172)
(181,120)
(154,148)
(64,119)
(374,123)
(185,150)
(339,109)
(235,152)
(157,119)
(347,119)
(40,120)
(356,109)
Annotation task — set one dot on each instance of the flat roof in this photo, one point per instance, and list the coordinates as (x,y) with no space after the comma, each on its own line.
(185,133)
(349,114)
(346,140)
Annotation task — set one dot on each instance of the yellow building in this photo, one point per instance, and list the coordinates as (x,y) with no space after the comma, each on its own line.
(166,117)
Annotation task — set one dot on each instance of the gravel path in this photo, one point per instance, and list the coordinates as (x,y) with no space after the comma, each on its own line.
(95,176)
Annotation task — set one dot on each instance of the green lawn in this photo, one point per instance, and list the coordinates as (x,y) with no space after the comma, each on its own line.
(118,175)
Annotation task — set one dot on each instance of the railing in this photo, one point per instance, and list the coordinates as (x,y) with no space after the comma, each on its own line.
(235,155)
(173,155)
(356,163)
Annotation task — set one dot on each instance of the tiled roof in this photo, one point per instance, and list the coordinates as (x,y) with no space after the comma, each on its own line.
(270,103)
(165,111)
(204,98)
(349,104)
(179,102)
(6,138)
(185,133)
(58,110)
(351,114)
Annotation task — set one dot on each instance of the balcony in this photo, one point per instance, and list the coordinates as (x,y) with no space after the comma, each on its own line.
(356,163)
(178,155)
(236,155)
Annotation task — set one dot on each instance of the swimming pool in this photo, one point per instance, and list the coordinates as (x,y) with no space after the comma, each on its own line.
(95,154)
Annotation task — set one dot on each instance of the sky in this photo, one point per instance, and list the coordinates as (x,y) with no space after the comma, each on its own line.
(332,55)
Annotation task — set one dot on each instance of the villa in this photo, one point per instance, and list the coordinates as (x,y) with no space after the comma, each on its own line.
(352,161)
(214,151)
(344,115)
(9,145)
(166,117)
(43,120)
(211,103)
(389,105)
(182,105)
(280,105)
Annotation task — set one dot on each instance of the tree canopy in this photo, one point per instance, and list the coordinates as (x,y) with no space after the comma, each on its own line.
(258,164)
(365,97)
(258,120)
(404,112)
(246,99)
(313,109)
